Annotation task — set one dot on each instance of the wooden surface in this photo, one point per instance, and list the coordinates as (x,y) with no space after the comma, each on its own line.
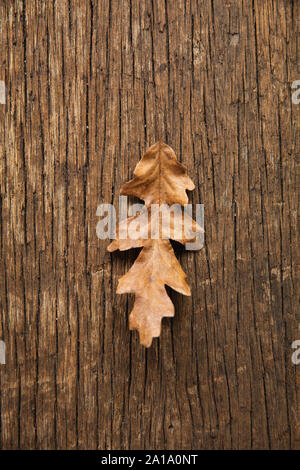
(89,86)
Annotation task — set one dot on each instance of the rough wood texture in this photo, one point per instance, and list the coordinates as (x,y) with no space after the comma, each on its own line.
(90,85)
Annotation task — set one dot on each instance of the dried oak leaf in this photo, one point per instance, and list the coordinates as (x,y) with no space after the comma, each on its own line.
(159,179)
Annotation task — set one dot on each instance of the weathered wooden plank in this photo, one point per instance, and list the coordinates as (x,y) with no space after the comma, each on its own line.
(89,86)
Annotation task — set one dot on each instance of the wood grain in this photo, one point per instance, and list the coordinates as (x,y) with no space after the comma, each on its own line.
(90,85)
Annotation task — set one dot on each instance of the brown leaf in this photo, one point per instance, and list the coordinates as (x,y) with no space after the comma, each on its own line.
(159,180)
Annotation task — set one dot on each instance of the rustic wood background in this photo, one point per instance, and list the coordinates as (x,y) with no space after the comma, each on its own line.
(89,86)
